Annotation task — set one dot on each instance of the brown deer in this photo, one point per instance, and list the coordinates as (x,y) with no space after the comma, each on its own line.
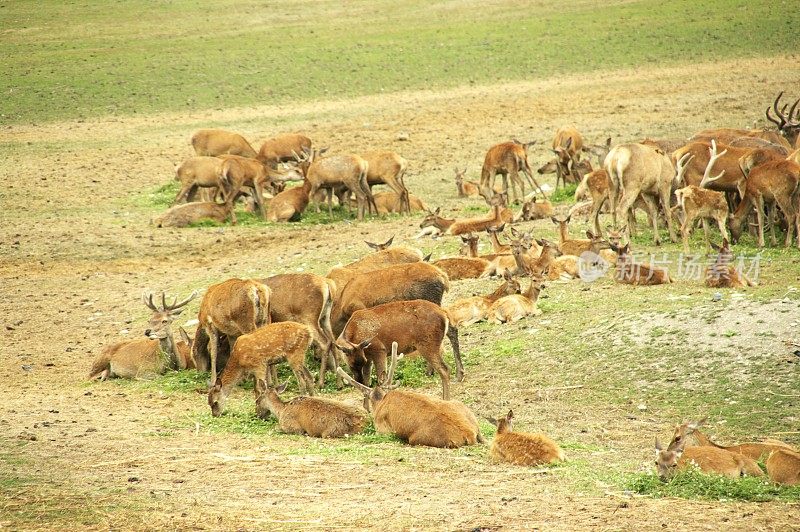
(722,274)
(283,148)
(788,125)
(313,416)
(576,246)
(783,467)
(195,173)
(152,355)
(522,448)
(753,450)
(473,309)
(402,282)
(699,153)
(596,186)
(238,172)
(388,168)
(637,273)
(213,142)
(417,418)
(458,268)
(198,211)
(508,159)
(567,145)
(665,145)
(636,169)
(536,266)
(308,299)
(384,256)
(534,209)
(230,309)
(287,206)
(456,227)
(254,353)
(390,203)
(512,308)
(466,189)
(335,170)
(419,326)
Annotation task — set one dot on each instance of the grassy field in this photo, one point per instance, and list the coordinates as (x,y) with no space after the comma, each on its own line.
(70,60)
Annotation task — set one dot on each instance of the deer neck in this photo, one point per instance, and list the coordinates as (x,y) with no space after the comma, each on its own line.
(545,258)
(532,292)
(442,224)
(522,264)
(273,403)
(496,245)
(497,294)
(460,187)
(563,232)
(170,349)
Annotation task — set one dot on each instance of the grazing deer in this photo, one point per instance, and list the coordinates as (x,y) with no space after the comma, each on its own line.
(473,309)
(213,142)
(313,416)
(783,467)
(308,299)
(254,353)
(709,459)
(512,308)
(534,209)
(336,170)
(753,450)
(721,274)
(637,273)
(402,282)
(522,448)
(636,169)
(230,308)
(419,326)
(240,172)
(454,227)
(388,168)
(283,148)
(417,418)
(466,189)
(198,211)
(195,173)
(150,356)
(508,159)
(287,206)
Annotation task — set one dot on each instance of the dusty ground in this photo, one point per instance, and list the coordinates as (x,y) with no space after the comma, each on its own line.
(77,252)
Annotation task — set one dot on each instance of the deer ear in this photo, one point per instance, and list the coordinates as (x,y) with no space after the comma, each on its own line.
(658,445)
(568,218)
(437,211)
(553,219)
(491,420)
(365,344)
(590,235)
(427,258)
(184,336)
(282,388)
(388,242)
(608,142)
(372,245)
(322,150)
(510,415)
(569,143)
(715,247)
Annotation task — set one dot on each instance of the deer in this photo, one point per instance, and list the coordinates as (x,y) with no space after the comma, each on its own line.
(213,142)
(308,299)
(254,353)
(637,273)
(195,173)
(195,212)
(418,325)
(383,257)
(312,416)
(533,266)
(388,168)
(390,203)
(567,145)
(522,448)
(458,268)
(696,202)
(534,209)
(596,185)
(665,145)
(152,355)
(230,309)
(753,450)
(573,246)
(402,282)
(512,308)
(283,148)
(455,227)
(635,169)
(473,309)
(699,153)
(783,467)
(499,262)
(466,189)
(721,274)
(239,172)
(774,182)
(508,159)
(288,205)
(332,171)
(709,459)
(416,418)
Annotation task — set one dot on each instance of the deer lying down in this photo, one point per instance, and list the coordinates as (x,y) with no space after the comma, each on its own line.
(417,418)
(390,202)
(314,416)
(522,448)
(255,352)
(187,214)
(637,273)
(510,309)
(474,309)
(783,467)
(753,450)
(722,274)
(458,268)
(151,356)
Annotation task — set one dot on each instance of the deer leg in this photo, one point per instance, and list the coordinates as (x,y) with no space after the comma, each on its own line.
(213,339)
(444,374)
(707,233)
(664,196)
(652,206)
(685,228)
(788,211)
(595,215)
(760,220)
(182,193)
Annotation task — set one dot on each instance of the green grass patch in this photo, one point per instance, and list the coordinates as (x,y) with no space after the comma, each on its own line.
(693,484)
(565,194)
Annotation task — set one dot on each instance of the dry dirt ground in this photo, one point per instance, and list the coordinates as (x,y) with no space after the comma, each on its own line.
(77,251)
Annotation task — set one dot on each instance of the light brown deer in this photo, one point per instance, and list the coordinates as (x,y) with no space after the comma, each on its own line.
(512,308)
(567,146)
(150,356)
(213,142)
(229,309)
(240,172)
(473,309)
(198,173)
(313,416)
(287,206)
(722,274)
(254,353)
(198,211)
(458,268)
(698,154)
(388,168)
(417,418)
(636,169)
(665,145)
(390,203)
(596,185)
(466,189)
(402,282)
(283,148)
(576,246)
(528,264)
(449,226)
(384,256)
(534,209)
(753,450)
(522,448)
(783,467)
(508,159)
(308,299)
(416,326)
(637,273)
(336,170)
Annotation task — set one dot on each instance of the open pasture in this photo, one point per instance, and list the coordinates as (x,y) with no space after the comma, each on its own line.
(603,370)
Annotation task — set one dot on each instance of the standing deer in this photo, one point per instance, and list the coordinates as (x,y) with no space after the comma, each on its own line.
(332,171)
(213,142)
(417,418)
(150,356)
(522,448)
(240,172)
(388,168)
(567,145)
(508,159)
(230,309)
(283,148)
(198,172)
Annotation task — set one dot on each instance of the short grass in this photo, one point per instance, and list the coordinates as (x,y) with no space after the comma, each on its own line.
(692,484)
(67,60)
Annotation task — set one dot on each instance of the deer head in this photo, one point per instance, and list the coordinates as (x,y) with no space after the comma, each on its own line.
(356,359)
(372,396)
(163,316)
(788,124)
(380,247)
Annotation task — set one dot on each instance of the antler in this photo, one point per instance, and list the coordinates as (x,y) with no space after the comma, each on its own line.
(712,159)
(681,165)
(177,307)
(352,382)
(786,121)
(147,299)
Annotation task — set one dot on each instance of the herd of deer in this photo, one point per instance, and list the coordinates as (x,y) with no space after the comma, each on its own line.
(362,314)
